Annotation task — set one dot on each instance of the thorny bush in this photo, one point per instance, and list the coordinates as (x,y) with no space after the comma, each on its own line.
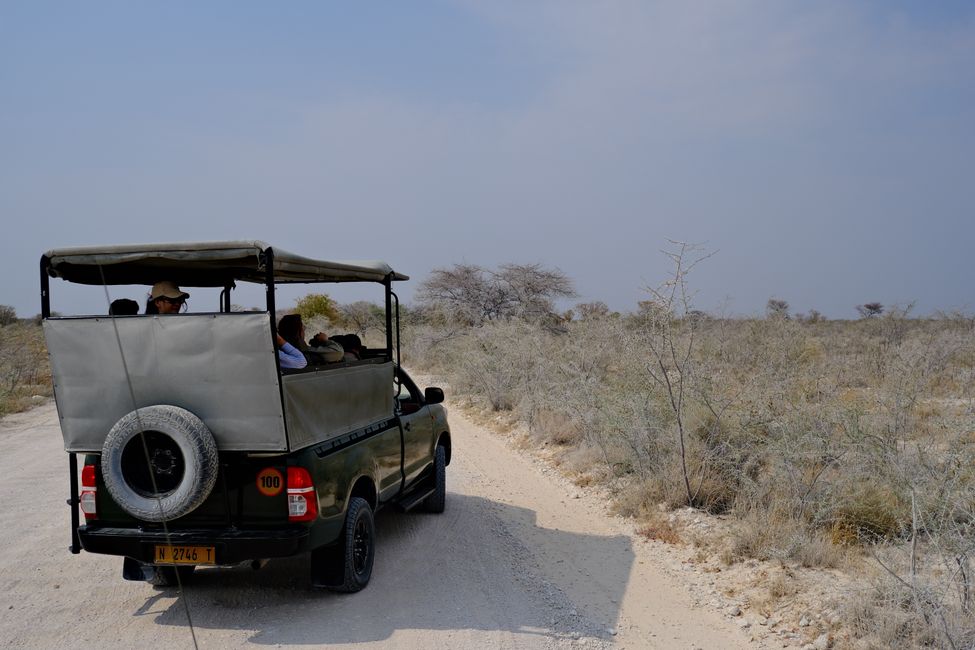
(813,434)
(24,370)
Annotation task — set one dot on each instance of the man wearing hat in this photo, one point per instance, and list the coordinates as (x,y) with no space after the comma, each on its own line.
(166,298)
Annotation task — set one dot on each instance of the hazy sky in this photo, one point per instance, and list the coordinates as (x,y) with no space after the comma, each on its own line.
(825,149)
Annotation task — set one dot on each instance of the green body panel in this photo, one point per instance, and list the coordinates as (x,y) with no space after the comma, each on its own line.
(368,463)
(235,500)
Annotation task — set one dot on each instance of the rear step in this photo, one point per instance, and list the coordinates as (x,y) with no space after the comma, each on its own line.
(414,499)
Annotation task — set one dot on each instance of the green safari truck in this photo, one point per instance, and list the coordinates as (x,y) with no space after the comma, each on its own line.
(198,448)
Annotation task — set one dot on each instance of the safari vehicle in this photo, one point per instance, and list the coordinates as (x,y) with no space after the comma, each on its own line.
(198,449)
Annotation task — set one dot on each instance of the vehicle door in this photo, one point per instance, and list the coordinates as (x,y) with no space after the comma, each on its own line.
(417,426)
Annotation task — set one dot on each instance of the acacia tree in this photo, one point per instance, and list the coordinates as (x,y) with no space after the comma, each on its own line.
(670,337)
(531,289)
(870,310)
(8,315)
(811,316)
(776,308)
(362,316)
(592,310)
(475,295)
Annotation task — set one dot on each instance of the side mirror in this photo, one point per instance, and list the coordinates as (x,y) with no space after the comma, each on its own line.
(433,395)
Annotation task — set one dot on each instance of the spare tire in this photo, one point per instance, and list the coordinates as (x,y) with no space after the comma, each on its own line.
(159,462)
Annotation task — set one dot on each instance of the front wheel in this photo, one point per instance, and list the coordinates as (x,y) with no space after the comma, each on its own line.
(437,501)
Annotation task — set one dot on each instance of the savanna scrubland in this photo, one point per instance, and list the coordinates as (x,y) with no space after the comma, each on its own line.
(823,444)
(828,444)
(25,376)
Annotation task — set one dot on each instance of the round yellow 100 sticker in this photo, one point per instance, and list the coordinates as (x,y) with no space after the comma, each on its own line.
(270,482)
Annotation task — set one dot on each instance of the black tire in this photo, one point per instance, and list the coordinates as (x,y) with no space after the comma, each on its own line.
(358,547)
(437,501)
(182,466)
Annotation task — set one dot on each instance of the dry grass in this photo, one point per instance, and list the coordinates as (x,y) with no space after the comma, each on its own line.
(829,443)
(25,374)
(820,438)
(661,529)
(555,427)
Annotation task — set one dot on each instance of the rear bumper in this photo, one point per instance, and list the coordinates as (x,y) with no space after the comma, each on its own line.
(230,545)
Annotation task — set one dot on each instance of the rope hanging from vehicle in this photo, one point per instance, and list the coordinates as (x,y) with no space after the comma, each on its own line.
(145,450)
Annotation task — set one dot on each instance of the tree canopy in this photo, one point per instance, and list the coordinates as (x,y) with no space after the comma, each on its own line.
(317,304)
(473,294)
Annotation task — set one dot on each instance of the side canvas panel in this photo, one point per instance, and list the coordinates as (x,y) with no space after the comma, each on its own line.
(334,401)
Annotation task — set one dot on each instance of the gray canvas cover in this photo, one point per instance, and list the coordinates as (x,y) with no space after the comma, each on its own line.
(205,264)
(218,366)
(334,401)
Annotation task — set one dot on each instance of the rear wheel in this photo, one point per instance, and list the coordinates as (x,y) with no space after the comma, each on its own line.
(359,547)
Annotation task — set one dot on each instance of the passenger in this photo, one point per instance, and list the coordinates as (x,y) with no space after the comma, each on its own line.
(289,356)
(123,307)
(330,349)
(340,339)
(166,298)
(354,345)
(348,342)
(324,350)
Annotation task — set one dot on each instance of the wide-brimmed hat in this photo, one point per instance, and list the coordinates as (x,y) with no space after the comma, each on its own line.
(167,289)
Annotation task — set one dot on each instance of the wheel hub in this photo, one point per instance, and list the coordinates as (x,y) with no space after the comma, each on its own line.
(163,462)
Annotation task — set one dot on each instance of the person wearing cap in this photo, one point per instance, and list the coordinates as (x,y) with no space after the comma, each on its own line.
(166,298)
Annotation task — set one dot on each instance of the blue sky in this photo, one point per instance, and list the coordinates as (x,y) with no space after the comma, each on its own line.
(825,150)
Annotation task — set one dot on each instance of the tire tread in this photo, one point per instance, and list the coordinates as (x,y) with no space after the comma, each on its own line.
(202,462)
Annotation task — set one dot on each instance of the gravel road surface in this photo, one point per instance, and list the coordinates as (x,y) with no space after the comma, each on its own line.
(520,559)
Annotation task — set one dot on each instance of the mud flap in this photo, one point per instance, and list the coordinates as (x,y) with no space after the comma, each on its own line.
(327,566)
(137,571)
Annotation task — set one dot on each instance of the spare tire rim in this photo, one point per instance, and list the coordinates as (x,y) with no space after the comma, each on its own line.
(165,468)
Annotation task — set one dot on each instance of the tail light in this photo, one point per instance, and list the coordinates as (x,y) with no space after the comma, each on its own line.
(89,491)
(302,498)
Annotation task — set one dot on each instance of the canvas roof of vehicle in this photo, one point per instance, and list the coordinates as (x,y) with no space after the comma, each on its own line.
(204,264)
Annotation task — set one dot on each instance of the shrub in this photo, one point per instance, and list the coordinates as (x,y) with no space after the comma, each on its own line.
(660,529)
(777,308)
(823,439)
(870,513)
(24,370)
(317,305)
(363,316)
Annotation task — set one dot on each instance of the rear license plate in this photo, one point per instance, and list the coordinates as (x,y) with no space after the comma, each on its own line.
(184,555)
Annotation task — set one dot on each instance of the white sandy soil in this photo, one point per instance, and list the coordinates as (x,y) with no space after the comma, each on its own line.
(520,559)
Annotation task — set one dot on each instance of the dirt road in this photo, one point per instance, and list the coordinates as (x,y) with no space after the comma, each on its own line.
(519,560)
